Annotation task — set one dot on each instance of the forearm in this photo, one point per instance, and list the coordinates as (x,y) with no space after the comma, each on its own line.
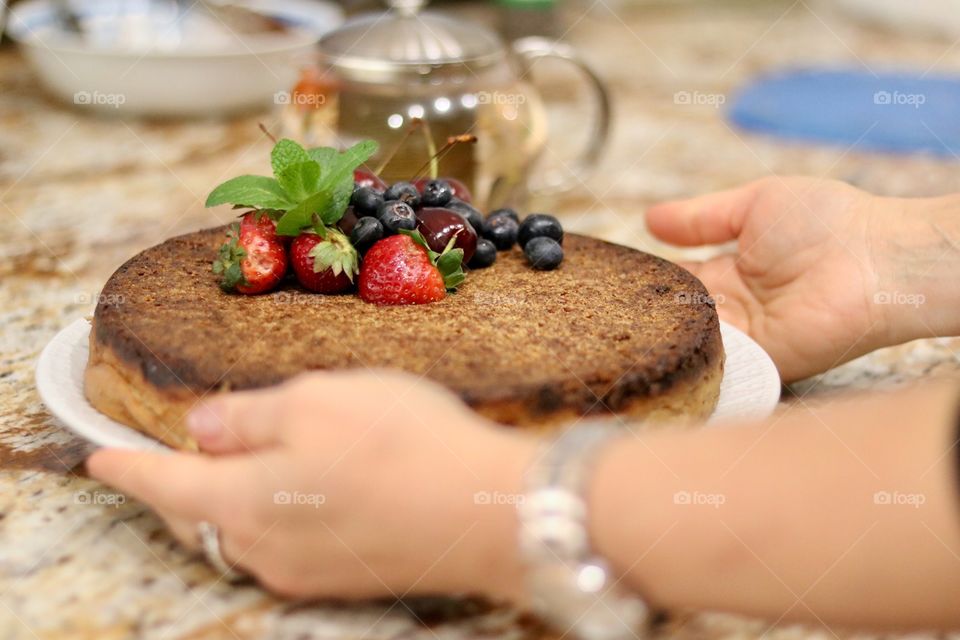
(782,521)
(916,249)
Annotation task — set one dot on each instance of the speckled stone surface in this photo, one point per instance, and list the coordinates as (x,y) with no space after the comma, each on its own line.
(79,194)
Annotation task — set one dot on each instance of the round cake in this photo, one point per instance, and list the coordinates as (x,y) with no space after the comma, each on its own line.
(612,331)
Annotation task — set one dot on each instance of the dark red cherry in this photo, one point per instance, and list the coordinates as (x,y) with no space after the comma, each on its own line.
(459,189)
(364,178)
(349,219)
(419,182)
(438,225)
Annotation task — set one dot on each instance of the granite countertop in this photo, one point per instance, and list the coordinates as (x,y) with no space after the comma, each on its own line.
(79,194)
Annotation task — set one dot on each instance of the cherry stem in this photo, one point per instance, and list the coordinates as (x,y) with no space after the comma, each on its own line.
(444,150)
(415,124)
(267,133)
(431,150)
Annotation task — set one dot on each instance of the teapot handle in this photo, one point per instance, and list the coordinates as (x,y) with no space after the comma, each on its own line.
(533,48)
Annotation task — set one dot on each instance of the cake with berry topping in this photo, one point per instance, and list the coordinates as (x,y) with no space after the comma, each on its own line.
(527,325)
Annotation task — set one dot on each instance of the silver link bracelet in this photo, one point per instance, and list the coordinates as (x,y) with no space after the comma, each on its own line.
(571,587)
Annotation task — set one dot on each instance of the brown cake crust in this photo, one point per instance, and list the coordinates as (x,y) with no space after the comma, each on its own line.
(612,330)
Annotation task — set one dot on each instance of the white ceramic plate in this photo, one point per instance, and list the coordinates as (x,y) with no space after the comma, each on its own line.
(750,386)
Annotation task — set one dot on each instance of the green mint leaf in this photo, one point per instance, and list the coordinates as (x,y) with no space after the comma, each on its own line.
(333,190)
(320,229)
(322,155)
(299,179)
(300,216)
(355,156)
(285,153)
(251,191)
(331,211)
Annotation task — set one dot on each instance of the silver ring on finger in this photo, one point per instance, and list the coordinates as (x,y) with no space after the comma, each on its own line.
(210,543)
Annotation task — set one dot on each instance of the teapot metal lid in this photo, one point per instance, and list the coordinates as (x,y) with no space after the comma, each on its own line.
(381,46)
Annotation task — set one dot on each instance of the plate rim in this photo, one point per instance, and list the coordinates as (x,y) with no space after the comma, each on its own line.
(50,367)
(769,396)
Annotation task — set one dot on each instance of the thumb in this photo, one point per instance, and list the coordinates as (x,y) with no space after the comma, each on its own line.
(708,219)
(237,422)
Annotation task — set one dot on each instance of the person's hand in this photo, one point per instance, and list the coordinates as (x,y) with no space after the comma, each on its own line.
(803,279)
(347,485)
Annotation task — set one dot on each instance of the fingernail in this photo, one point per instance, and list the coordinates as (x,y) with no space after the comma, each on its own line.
(205,422)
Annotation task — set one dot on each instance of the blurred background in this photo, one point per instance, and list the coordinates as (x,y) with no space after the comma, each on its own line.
(117,118)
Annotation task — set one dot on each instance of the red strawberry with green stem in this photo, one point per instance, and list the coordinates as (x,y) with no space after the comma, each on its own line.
(402,269)
(253,259)
(324,260)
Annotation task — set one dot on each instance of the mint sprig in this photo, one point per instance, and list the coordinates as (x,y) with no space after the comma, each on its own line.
(258,192)
(299,180)
(449,262)
(286,152)
(332,194)
(308,186)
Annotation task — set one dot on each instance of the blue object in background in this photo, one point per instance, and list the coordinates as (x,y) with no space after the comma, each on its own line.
(893,112)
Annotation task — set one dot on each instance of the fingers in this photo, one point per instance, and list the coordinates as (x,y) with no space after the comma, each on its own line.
(184,530)
(187,533)
(238,422)
(190,485)
(708,219)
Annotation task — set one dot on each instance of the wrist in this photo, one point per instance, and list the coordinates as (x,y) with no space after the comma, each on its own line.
(573,587)
(915,246)
(494,568)
(616,530)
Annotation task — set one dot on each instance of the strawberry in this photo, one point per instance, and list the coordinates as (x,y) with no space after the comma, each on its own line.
(262,223)
(253,259)
(325,262)
(402,269)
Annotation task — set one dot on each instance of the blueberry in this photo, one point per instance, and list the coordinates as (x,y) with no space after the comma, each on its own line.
(436,193)
(404,192)
(539,225)
(474,217)
(544,253)
(366,200)
(395,215)
(501,230)
(484,256)
(505,211)
(367,231)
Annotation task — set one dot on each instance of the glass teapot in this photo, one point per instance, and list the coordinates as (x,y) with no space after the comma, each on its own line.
(411,79)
